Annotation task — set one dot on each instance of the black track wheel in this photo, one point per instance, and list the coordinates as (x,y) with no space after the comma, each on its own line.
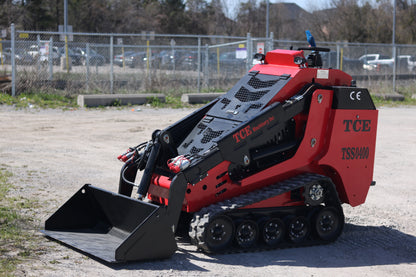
(246,233)
(273,231)
(219,233)
(298,228)
(329,223)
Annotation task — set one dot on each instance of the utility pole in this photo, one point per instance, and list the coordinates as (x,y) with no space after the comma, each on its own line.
(66,34)
(267,18)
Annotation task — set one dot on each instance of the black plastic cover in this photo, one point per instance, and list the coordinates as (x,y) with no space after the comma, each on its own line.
(352,98)
(240,104)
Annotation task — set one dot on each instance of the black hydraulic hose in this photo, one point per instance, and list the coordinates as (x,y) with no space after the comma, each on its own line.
(148,171)
(127,177)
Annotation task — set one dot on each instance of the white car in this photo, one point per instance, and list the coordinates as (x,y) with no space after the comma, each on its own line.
(42,55)
(376,62)
(406,63)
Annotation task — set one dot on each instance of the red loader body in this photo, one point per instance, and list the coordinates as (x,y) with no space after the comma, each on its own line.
(267,165)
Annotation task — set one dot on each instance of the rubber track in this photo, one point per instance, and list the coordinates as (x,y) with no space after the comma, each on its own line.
(201,219)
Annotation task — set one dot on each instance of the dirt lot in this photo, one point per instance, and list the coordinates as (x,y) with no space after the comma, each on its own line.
(52,153)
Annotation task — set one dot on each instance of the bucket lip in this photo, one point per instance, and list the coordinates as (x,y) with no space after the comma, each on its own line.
(110,258)
(89,186)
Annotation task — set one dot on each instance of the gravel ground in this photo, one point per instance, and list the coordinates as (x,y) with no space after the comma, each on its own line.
(52,153)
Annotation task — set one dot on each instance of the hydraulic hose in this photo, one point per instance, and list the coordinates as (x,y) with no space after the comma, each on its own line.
(148,171)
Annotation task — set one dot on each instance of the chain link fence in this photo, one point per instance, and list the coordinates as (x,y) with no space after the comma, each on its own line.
(80,63)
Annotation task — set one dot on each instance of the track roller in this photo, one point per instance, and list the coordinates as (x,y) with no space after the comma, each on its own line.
(273,231)
(219,233)
(298,228)
(329,223)
(246,233)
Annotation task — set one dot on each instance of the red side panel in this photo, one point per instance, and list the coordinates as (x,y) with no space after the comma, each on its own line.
(351,150)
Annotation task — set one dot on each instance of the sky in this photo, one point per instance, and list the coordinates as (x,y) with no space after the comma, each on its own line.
(307,5)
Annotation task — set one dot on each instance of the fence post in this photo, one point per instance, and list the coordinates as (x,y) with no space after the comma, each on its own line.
(38,55)
(50,58)
(271,47)
(394,67)
(111,66)
(206,67)
(87,63)
(199,64)
(13,60)
(338,55)
(249,52)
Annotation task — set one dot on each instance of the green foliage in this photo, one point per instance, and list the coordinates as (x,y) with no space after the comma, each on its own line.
(155,102)
(381,101)
(9,230)
(39,99)
(16,243)
(174,102)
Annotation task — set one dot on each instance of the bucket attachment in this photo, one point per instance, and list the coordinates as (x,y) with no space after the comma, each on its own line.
(114,227)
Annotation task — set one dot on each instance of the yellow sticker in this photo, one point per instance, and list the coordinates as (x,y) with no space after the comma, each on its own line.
(23,35)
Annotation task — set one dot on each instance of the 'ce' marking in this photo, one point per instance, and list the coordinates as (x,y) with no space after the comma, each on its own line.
(355,95)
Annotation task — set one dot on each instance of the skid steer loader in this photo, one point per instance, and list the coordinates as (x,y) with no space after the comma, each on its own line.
(266,165)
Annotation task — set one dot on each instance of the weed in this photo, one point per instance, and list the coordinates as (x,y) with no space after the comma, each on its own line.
(16,243)
(39,99)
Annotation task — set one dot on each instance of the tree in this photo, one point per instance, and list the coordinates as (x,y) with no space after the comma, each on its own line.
(406,21)
(249,18)
(173,19)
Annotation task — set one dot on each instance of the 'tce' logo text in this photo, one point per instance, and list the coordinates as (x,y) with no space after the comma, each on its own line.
(355,95)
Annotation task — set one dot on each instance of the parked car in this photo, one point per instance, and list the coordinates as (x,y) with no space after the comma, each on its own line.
(376,62)
(21,56)
(169,58)
(33,51)
(118,59)
(329,60)
(189,60)
(93,58)
(228,62)
(56,56)
(406,63)
(42,54)
(136,59)
(76,58)
(139,59)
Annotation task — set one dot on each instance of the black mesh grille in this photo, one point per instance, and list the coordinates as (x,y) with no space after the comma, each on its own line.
(244,95)
(225,101)
(202,127)
(253,106)
(210,134)
(257,83)
(195,150)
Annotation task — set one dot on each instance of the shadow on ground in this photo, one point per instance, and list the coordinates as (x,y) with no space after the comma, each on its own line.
(358,246)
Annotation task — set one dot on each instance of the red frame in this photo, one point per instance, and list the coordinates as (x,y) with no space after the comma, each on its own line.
(326,148)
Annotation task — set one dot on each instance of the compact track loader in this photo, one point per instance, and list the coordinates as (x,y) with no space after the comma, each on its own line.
(266,165)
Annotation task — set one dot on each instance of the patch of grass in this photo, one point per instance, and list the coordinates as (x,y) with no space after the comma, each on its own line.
(39,99)
(155,102)
(380,101)
(16,243)
(174,102)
